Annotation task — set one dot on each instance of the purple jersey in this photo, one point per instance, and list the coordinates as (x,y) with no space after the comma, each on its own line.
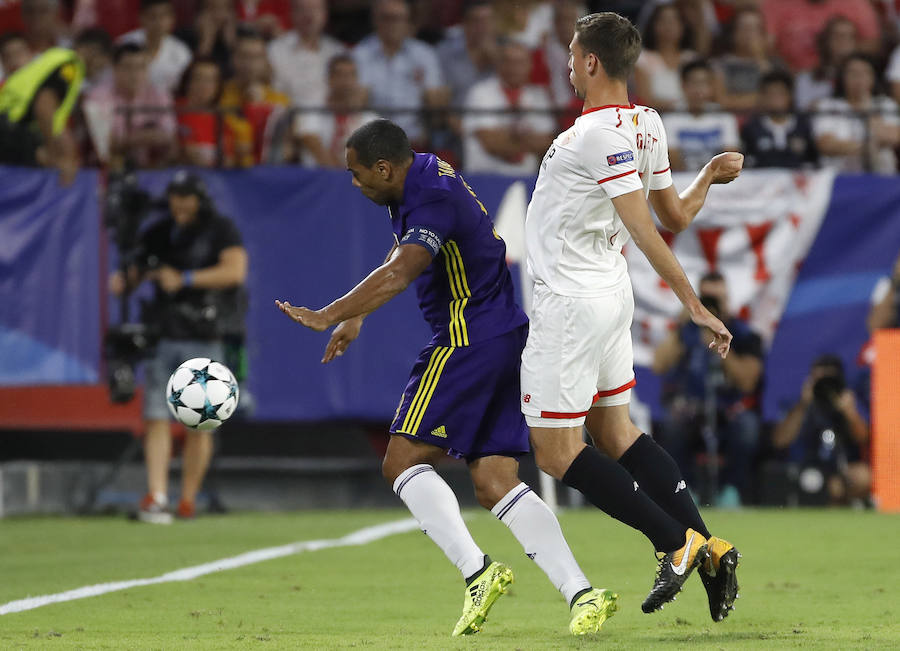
(466,294)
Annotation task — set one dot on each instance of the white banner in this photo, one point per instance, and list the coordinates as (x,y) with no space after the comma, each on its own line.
(756,231)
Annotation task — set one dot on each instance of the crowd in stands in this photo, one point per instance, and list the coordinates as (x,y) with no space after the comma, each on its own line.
(234,83)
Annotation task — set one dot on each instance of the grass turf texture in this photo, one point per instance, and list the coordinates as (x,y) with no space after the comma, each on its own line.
(814,579)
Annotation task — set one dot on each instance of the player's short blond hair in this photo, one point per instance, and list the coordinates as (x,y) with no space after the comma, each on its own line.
(612,39)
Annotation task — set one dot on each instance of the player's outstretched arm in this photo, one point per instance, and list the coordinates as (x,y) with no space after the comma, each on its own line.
(635,214)
(347,331)
(380,286)
(677,211)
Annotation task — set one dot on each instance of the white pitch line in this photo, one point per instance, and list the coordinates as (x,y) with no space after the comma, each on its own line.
(360,537)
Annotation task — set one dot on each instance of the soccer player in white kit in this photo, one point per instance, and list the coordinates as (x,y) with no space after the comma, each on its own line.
(577,367)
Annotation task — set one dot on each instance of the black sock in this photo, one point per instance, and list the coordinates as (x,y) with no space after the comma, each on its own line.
(657,473)
(487,561)
(610,488)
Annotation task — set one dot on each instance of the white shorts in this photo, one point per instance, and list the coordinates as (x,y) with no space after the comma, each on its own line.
(578,355)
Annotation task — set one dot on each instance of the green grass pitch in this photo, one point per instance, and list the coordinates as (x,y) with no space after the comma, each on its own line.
(810,579)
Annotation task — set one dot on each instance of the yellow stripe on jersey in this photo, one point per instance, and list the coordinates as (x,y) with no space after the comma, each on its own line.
(459,290)
(462,270)
(436,375)
(454,325)
(474,196)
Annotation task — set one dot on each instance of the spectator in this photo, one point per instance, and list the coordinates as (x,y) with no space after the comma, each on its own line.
(271,18)
(693,377)
(350,20)
(169,56)
(196,260)
(116,17)
(468,52)
(775,137)
(207,137)
(130,120)
(429,18)
(300,58)
(702,130)
(656,79)
(323,134)
(858,129)
(551,63)
(249,94)
(826,433)
(35,104)
(835,43)
(892,74)
(14,53)
(739,70)
(794,26)
(43,27)
(95,48)
(699,17)
(525,21)
(507,126)
(214,32)
(402,75)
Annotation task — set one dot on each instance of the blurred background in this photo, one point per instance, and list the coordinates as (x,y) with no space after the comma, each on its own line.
(104,104)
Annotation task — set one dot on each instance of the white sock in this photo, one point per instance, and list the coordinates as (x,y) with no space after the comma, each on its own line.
(536,527)
(433,504)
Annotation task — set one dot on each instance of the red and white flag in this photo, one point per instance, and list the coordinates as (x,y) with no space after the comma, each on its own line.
(755,231)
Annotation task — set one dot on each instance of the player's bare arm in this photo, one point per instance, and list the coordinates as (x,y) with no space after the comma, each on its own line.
(347,331)
(677,211)
(635,214)
(380,286)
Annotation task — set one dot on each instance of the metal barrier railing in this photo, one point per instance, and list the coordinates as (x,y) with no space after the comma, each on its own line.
(438,124)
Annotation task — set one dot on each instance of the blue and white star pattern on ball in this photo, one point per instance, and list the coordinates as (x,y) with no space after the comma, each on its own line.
(202,393)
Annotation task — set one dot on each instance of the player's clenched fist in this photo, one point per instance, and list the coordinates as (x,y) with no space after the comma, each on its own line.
(726,167)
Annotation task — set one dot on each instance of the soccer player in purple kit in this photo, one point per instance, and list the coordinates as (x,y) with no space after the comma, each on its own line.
(462,398)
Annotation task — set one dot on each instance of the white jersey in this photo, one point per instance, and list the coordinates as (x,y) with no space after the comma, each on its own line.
(573,235)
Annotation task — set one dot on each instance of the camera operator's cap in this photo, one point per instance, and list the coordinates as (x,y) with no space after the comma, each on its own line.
(184,184)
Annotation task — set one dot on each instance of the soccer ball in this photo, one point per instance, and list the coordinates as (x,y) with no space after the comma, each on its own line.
(202,393)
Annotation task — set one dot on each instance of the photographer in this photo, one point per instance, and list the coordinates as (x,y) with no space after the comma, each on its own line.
(826,433)
(195,258)
(712,399)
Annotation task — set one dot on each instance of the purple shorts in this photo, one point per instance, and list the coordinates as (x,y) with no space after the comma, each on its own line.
(466,399)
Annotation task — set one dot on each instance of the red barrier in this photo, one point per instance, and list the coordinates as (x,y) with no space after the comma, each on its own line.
(886,420)
(75,407)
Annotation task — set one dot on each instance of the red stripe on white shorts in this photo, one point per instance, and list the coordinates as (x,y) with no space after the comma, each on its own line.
(597,396)
(612,392)
(562,414)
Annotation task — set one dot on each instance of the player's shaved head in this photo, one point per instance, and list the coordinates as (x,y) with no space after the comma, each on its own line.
(612,39)
(380,140)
